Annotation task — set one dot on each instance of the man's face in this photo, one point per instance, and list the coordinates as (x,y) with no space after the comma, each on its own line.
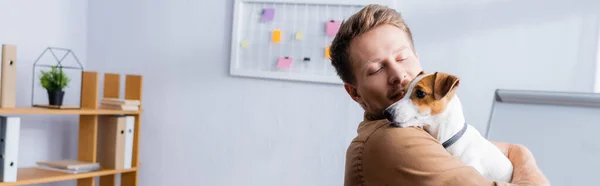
(383,63)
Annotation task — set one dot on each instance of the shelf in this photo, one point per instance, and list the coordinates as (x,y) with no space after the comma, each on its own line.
(87,143)
(33,175)
(36,110)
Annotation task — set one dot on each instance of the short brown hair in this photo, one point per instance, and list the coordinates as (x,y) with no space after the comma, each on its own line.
(363,21)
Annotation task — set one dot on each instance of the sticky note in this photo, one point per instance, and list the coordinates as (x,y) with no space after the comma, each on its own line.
(299,35)
(284,62)
(276,36)
(333,27)
(327,55)
(268,14)
(244,44)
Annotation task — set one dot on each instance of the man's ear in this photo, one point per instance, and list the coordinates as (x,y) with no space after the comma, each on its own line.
(444,84)
(352,92)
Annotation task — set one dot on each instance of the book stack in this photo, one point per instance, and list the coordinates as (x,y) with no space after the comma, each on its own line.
(120,104)
(69,166)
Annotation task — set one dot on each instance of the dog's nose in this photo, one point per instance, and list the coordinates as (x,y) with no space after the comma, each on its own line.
(387,113)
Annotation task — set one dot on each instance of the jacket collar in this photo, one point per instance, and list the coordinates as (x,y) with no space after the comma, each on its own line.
(369,125)
(372,117)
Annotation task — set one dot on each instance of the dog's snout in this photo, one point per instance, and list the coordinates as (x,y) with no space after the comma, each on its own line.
(387,113)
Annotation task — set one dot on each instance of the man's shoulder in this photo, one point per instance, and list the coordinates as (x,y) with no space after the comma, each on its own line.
(380,151)
(390,138)
(382,130)
(378,136)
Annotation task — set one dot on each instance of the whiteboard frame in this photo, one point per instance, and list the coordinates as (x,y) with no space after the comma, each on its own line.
(577,99)
(233,62)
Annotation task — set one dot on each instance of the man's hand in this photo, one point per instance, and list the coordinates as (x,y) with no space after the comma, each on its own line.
(526,171)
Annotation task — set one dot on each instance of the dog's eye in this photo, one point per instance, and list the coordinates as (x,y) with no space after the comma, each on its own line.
(420,94)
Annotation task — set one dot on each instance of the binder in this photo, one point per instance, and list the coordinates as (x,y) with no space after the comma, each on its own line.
(115,141)
(130,120)
(9,147)
(111,141)
(8,79)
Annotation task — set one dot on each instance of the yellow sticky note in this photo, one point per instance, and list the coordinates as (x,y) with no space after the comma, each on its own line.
(299,35)
(276,37)
(244,44)
(327,53)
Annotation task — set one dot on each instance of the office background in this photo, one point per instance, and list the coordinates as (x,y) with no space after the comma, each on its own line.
(224,130)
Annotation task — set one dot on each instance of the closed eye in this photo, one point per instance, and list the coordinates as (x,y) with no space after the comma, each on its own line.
(401,58)
(378,69)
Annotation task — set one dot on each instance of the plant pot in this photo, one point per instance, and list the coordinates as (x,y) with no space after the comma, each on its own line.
(56,97)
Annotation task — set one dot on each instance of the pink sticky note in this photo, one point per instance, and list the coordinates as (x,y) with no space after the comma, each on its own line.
(284,62)
(268,14)
(333,27)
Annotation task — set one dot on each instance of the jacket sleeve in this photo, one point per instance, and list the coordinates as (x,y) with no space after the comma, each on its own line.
(410,156)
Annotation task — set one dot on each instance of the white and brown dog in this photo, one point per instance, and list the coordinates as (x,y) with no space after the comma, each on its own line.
(431,102)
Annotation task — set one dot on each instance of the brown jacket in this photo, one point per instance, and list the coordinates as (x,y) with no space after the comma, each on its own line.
(382,155)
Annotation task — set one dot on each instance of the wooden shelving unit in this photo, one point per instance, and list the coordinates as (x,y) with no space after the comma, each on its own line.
(88,132)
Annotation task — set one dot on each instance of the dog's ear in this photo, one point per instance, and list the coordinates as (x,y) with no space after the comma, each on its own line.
(443,84)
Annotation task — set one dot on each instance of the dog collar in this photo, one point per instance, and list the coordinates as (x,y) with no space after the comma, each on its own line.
(455,138)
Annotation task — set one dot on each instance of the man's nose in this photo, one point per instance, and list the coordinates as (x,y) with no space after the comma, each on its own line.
(405,80)
(399,77)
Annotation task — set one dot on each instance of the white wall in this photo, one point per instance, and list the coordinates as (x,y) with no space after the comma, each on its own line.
(223,130)
(597,84)
(32,26)
(235,131)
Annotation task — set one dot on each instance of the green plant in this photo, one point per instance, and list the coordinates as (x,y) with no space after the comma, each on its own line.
(55,79)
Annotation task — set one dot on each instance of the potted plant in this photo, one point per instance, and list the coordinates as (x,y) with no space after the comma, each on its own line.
(54,81)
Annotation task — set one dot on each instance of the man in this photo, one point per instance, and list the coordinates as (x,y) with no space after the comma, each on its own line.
(374,55)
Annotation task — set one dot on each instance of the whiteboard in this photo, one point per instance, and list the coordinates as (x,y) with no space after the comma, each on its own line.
(560,128)
(289,39)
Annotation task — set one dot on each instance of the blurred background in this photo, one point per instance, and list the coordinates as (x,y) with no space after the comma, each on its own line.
(202,126)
